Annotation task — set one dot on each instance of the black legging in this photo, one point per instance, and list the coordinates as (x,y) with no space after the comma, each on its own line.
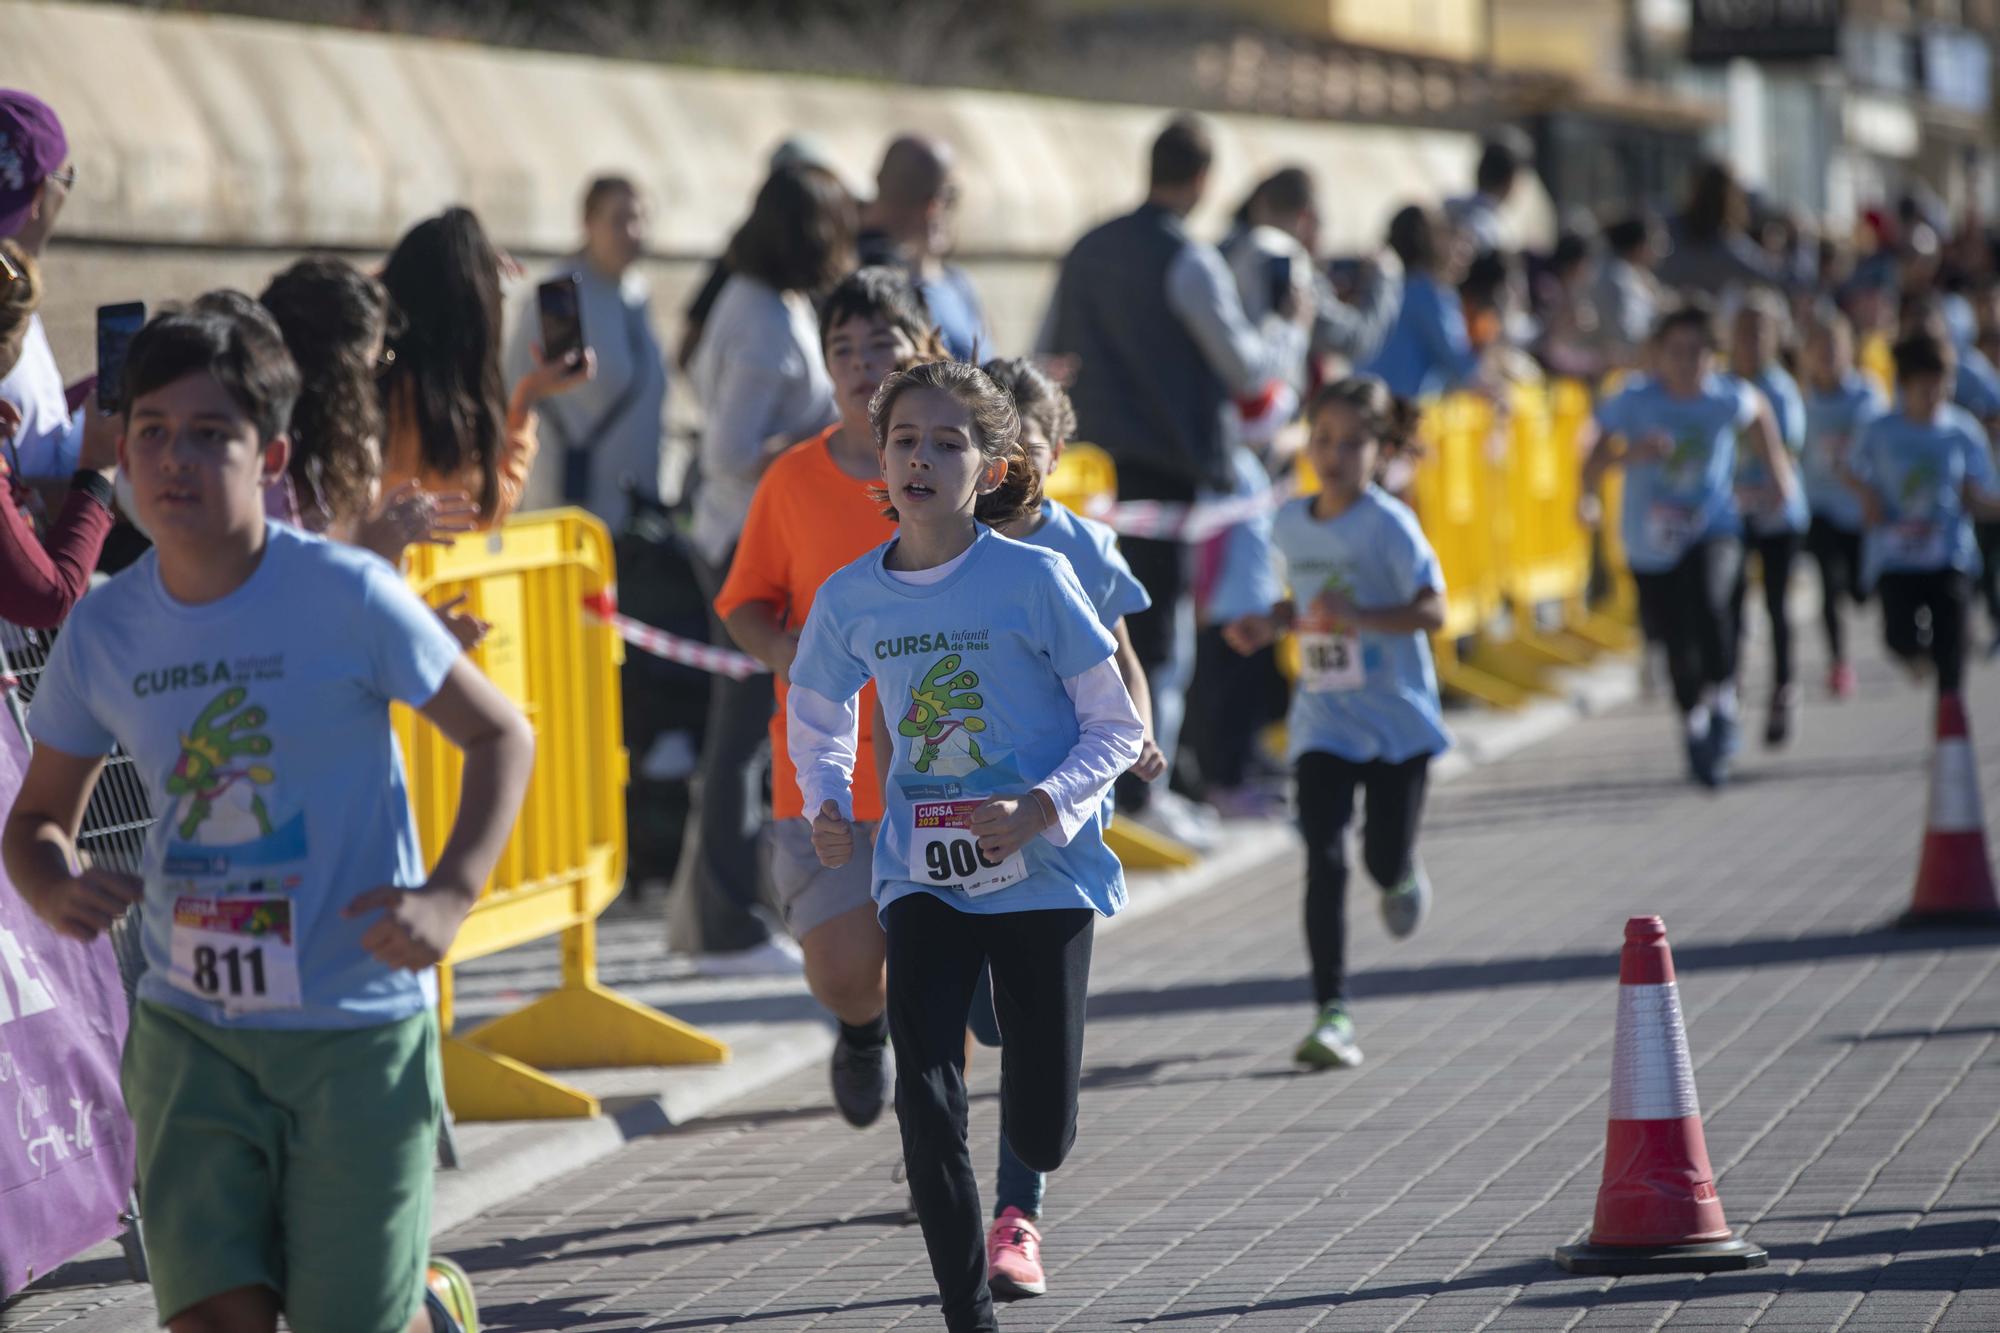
(1989,571)
(1946,594)
(1388,847)
(1686,608)
(1775,553)
(1838,552)
(1040,968)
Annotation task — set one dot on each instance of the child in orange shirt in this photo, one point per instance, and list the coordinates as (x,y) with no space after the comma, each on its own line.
(810,516)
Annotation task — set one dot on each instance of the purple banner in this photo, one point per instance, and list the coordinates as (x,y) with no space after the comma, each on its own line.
(65,1143)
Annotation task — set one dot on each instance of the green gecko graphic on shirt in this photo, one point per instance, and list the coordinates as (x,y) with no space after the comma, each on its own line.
(1919,487)
(206,775)
(1688,458)
(943,745)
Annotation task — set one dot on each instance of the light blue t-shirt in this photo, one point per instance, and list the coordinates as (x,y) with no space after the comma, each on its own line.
(1092,551)
(1834,422)
(1788,410)
(1671,504)
(1427,349)
(1244,579)
(970,673)
(260,725)
(1976,387)
(1920,469)
(1377,554)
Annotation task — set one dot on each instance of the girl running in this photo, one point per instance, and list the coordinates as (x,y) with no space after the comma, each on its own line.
(1676,435)
(1840,402)
(1923,473)
(1014,1241)
(1366,590)
(1010,722)
(1774,520)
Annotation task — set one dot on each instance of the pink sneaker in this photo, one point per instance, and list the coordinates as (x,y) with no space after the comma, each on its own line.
(1840,681)
(1014,1257)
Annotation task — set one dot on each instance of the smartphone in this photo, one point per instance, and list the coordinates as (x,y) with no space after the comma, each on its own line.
(1345,275)
(560,301)
(117,325)
(1278,276)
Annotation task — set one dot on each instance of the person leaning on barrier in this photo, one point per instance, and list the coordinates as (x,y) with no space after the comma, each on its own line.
(42,577)
(452,426)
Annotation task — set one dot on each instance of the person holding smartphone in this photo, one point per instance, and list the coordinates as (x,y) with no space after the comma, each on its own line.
(41,577)
(605,437)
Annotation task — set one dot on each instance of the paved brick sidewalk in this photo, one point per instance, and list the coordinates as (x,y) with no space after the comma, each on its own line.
(1847,1075)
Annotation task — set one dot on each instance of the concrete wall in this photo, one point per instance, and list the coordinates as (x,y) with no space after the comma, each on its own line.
(211,150)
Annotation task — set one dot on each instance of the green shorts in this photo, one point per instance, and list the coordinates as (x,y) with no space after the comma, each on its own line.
(299,1161)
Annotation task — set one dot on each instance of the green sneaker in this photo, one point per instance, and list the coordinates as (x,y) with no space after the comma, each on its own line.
(1405,905)
(448,1298)
(1330,1045)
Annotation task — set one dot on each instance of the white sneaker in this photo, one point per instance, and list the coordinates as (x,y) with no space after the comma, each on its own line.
(1172,815)
(777,956)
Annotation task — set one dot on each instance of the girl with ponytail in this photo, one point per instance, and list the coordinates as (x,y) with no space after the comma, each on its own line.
(1366,594)
(1007,721)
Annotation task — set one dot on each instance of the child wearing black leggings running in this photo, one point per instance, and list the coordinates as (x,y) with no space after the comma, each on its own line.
(1923,473)
(1366,591)
(1840,402)
(1676,434)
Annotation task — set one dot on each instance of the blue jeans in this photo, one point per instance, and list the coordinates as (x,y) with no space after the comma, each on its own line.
(1016,1184)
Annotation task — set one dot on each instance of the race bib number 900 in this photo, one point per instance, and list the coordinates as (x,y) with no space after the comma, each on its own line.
(241,953)
(944,854)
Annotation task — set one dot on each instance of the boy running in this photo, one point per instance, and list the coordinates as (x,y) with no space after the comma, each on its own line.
(1923,474)
(282,1068)
(812,514)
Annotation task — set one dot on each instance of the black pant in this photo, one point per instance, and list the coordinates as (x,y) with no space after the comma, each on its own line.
(1388,847)
(1229,704)
(1838,552)
(1946,594)
(1775,553)
(1989,570)
(1686,608)
(1039,963)
(718,888)
(1161,568)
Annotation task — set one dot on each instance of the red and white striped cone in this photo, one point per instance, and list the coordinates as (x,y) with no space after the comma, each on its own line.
(1657,1209)
(1954,878)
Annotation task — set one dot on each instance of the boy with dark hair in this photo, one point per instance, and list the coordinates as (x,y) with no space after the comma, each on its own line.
(1923,474)
(282,1069)
(811,515)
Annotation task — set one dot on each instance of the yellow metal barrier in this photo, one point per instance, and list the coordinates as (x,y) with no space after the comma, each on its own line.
(566,859)
(1085,477)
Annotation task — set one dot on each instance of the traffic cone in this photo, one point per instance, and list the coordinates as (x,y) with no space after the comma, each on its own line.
(1954,878)
(1657,1210)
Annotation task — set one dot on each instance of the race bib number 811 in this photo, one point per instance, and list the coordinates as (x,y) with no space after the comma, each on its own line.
(944,854)
(239,952)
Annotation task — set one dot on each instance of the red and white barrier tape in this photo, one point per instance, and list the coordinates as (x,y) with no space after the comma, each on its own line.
(1166,520)
(672,647)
